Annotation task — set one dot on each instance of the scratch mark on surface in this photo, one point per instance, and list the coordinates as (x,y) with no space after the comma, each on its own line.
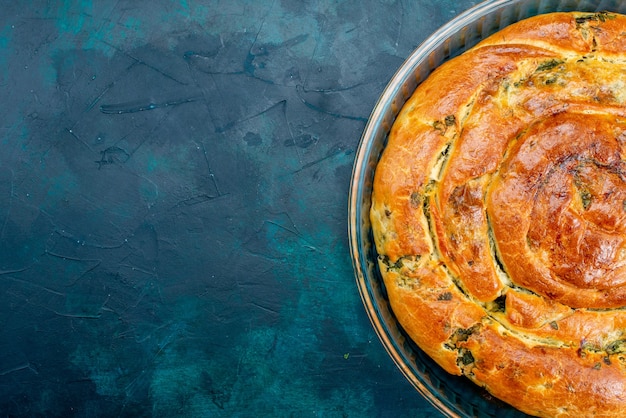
(296,40)
(84,243)
(269,257)
(399,25)
(109,87)
(154,186)
(5,272)
(198,199)
(112,154)
(97,315)
(200,63)
(143,293)
(211,174)
(151,334)
(264,308)
(312,248)
(258,50)
(141,380)
(66,257)
(317,108)
(106,19)
(83,274)
(289,218)
(157,125)
(330,155)
(140,106)
(78,138)
(142,62)
(310,67)
(258,32)
(37,286)
(10,205)
(139,269)
(291,139)
(26,366)
(178,331)
(294,232)
(102,93)
(76,316)
(303,89)
(236,122)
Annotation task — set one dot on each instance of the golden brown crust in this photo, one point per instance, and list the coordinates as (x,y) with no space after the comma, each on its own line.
(499,213)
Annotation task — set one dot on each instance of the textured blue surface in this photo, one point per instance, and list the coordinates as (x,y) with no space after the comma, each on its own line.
(173,193)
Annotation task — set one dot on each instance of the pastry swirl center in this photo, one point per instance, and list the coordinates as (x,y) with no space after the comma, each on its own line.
(558,210)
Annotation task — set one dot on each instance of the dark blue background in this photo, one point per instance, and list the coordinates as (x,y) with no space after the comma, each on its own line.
(173,206)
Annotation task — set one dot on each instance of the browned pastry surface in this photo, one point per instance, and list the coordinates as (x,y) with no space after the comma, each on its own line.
(499,213)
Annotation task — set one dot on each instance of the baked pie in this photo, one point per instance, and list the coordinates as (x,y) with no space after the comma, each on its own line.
(499,215)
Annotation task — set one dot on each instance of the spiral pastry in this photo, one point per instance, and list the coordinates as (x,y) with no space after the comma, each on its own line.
(499,215)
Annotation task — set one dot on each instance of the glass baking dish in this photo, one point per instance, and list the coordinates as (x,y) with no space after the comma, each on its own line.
(453,396)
